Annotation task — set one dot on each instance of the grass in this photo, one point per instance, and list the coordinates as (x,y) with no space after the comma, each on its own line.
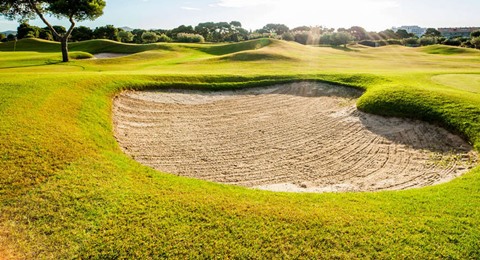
(448,50)
(467,82)
(67,190)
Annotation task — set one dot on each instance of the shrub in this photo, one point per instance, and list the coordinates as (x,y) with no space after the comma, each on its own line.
(326,38)
(412,42)
(341,38)
(125,36)
(368,43)
(80,55)
(190,38)
(164,38)
(288,36)
(257,35)
(476,42)
(475,34)
(441,40)
(302,37)
(373,43)
(394,42)
(425,41)
(149,37)
(453,42)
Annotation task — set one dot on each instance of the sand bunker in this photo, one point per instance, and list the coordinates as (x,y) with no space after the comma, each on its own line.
(302,137)
(109,55)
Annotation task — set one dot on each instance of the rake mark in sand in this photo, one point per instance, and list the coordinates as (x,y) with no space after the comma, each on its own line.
(301,137)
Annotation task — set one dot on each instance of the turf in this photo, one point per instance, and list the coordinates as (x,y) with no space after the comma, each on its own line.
(67,190)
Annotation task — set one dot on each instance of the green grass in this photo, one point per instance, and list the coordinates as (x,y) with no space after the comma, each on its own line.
(467,82)
(448,50)
(67,190)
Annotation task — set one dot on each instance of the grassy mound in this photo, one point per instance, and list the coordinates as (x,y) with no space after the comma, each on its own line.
(36,45)
(92,46)
(256,56)
(67,190)
(448,50)
(224,49)
(80,55)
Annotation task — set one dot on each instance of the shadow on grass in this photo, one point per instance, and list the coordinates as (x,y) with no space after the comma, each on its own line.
(46,63)
(344,48)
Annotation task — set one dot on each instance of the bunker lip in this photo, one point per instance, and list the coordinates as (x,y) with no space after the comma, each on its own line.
(300,137)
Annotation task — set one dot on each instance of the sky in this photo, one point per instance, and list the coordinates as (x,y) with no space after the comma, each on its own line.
(373,15)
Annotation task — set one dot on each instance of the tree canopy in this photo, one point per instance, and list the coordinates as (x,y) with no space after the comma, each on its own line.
(73,10)
(432,32)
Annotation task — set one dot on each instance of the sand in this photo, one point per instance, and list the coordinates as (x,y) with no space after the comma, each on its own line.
(301,137)
(109,55)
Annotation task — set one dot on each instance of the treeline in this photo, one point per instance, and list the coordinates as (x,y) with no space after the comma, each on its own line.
(432,36)
(211,32)
(233,32)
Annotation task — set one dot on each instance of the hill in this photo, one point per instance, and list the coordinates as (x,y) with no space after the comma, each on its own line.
(67,189)
(9,32)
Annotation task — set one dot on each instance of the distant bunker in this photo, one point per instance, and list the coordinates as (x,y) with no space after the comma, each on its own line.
(300,137)
(106,55)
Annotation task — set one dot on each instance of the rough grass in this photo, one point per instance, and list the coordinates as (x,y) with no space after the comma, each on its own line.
(67,191)
(448,50)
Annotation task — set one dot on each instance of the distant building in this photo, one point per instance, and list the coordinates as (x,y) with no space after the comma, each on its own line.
(416,30)
(457,31)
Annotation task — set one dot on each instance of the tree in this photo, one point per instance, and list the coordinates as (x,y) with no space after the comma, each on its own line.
(11,37)
(149,37)
(326,38)
(164,38)
(205,29)
(476,42)
(278,29)
(106,32)
(301,29)
(45,34)
(236,33)
(425,41)
(3,37)
(412,41)
(359,33)
(341,38)
(288,37)
(73,10)
(137,38)
(125,36)
(81,33)
(432,32)
(388,34)
(475,34)
(181,29)
(403,34)
(25,30)
(302,37)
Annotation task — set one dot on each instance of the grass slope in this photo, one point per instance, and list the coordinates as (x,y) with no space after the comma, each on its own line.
(67,190)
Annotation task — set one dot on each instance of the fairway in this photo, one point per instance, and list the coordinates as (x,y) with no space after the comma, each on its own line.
(302,137)
(467,82)
(79,142)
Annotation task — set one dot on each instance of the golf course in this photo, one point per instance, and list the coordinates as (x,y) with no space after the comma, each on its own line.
(261,149)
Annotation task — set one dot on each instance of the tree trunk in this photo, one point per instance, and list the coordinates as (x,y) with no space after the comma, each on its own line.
(65,49)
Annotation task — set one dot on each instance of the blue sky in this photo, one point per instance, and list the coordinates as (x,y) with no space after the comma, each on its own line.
(374,15)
